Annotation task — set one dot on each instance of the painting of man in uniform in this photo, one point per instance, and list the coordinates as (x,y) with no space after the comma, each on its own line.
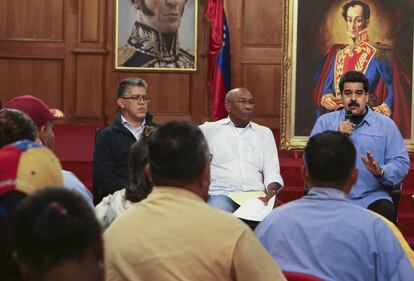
(373,37)
(155,34)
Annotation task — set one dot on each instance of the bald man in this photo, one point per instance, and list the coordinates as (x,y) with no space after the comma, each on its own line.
(244,153)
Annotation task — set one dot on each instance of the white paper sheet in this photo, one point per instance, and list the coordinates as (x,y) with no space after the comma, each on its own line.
(254,209)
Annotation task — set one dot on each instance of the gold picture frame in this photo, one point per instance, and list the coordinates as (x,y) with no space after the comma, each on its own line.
(309,29)
(142,47)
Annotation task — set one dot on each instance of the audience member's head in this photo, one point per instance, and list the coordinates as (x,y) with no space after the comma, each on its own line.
(330,161)
(58,237)
(41,114)
(239,103)
(179,156)
(25,167)
(140,186)
(16,125)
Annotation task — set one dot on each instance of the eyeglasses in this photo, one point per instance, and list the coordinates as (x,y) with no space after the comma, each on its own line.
(139,98)
(251,102)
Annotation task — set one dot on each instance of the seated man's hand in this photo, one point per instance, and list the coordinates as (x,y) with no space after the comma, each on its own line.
(272,190)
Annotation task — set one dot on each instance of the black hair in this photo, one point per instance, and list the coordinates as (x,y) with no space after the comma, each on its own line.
(353,76)
(139,185)
(130,82)
(54,225)
(330,157)
(365,9)
(178,153)
(15,125)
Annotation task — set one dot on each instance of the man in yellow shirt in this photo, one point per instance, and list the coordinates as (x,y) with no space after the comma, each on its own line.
(174,234)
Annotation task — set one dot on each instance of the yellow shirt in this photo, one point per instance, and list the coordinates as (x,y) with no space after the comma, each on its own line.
(175,235)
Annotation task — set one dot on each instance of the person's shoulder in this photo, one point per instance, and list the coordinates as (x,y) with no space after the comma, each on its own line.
(384,120)
(224,222)
(212,125)
(260,127)
(125,52)
(329,116)
(382,51)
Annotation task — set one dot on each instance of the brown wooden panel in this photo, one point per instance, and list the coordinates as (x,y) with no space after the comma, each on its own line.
(255,76)
(262,22)
(90,20)
(36,19)
(89,85)
(40,78)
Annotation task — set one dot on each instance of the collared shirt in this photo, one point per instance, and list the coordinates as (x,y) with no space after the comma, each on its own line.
(324,235)
(244,159)
(135,131)
(71,181)
(175,235)
(380,135)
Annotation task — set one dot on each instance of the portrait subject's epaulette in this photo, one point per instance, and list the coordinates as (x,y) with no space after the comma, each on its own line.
(383,51)
(125,52)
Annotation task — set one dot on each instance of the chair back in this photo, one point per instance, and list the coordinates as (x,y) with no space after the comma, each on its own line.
(295,276)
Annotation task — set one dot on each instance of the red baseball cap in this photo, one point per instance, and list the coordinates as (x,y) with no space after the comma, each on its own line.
(35,108)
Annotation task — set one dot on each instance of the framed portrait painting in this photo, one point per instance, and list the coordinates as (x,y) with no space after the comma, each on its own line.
(322,41)
(156,35)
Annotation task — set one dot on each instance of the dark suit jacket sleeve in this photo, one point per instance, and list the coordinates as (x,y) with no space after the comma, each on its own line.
(104,171)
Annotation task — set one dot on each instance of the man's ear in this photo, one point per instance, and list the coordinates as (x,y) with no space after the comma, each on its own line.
(305,175)
(148,172)
(120,102)
(227,106)
(204,182)
(352,179)
(41,134)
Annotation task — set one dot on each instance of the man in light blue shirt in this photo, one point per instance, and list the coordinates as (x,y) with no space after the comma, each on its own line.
(324,234)
(382,156)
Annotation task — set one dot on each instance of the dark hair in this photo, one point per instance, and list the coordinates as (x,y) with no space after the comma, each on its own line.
(139,185)
(330,157)
(54,225)
(365,8)
(178,153)
(131,81)
(15,125)
(9,269)
(353,76)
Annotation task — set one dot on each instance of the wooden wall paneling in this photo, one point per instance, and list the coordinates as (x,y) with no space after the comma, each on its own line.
(89,20)
(199,93)
(256,28)
(90,53)
(262,22)
(89,75)
(40,20)
(38,77)
(267,110)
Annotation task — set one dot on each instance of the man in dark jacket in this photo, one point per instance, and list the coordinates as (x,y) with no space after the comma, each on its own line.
(113,143)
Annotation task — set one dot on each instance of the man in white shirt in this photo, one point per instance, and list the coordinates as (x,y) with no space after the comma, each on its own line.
(244,153)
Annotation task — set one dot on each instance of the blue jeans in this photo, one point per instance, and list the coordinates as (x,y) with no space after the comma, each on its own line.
(222,202)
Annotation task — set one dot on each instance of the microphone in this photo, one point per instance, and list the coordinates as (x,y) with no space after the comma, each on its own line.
(349,117)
